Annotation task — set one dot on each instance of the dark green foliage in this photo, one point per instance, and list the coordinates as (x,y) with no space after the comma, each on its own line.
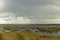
(1,38)
(12,29)
(49,30)
(19,37)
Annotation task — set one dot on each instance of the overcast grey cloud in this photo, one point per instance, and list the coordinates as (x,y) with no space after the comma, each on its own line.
(31,7)
(45,11)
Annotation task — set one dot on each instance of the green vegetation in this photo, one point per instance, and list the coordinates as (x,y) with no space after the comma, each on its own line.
(19,37)
(49,30)
(27,34)
(17,28)
(1,37)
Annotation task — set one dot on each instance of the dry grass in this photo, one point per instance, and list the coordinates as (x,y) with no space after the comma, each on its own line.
(27,36)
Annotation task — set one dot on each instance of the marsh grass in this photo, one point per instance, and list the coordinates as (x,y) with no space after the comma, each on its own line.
(26,36)
(1,37)
(19,37)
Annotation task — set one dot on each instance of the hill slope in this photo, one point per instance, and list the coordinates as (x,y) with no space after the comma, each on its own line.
(26,36)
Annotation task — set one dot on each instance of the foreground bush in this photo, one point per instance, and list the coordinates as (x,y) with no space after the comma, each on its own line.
(19,37)
(1,38)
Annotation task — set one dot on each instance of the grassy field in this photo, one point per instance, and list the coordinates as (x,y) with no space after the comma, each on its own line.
(26,36)
(11,33)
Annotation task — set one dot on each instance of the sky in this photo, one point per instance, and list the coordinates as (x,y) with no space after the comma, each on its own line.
(30,11)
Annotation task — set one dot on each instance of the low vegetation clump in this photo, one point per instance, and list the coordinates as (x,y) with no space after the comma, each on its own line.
(49,30)
(19,37)
(15,33)
(1,38)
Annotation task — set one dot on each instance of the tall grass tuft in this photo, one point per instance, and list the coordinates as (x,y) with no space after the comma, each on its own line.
(19,37)
(1,38)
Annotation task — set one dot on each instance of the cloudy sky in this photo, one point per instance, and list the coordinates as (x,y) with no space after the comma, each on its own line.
(41,11)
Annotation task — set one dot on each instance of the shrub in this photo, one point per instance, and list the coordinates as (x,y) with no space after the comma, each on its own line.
(1,38)
(19,37)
